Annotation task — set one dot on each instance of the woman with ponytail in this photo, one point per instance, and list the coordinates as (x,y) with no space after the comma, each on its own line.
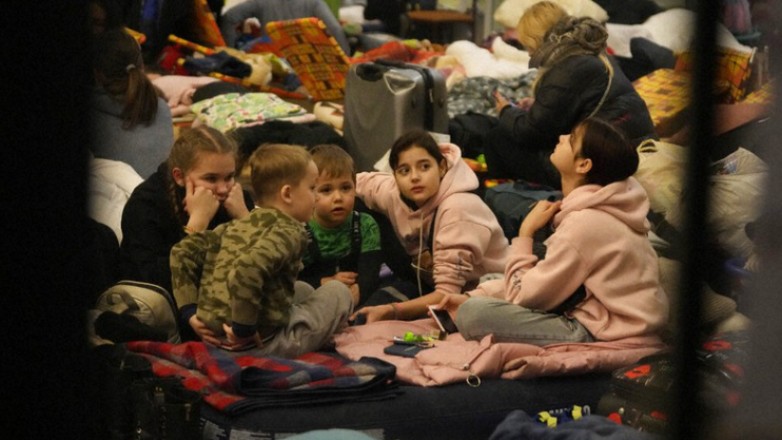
(193,190)
(576,79)
(129,121)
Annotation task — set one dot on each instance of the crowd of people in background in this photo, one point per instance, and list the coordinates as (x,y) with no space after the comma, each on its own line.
(294,256)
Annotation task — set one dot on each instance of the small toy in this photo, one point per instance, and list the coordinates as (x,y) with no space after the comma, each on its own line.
(410,338)
(554,417)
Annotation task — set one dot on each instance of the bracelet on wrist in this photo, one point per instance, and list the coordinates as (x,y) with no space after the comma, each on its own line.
(395,308)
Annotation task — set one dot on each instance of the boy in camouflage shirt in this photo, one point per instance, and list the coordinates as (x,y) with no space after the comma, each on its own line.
(236,285)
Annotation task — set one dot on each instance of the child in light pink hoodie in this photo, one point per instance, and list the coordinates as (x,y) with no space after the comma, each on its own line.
(599,247)
(450,235)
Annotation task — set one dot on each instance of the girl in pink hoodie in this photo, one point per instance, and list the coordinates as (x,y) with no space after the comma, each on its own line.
(449,233)
(599,248)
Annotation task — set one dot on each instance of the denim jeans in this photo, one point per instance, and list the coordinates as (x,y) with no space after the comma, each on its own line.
(480,316)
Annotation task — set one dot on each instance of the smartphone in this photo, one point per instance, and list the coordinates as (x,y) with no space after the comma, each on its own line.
(443,320)
(403,350)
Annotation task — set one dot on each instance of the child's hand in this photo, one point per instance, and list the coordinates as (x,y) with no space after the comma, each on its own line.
(538,217)
(375,313)
(347,278)
(203,331)
(525,103)
(234,343)
(500,102)
(451,302)
(234,204)
(201,204)
(355,295)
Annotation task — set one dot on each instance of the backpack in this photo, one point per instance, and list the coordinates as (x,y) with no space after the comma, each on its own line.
(132,310)
(639,395)
(468,131)
(511,202)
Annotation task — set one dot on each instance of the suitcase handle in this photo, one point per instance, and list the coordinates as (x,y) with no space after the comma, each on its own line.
(428,86)
(370,71)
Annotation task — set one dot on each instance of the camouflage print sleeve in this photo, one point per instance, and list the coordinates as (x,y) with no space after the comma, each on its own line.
(187,261)
(261,273)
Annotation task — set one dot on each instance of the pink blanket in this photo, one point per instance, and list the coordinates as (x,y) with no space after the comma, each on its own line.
(454,359)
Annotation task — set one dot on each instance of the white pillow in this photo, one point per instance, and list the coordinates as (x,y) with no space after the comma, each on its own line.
(673,29)
(110,184)
(510,11)
(478,61)
(352,14)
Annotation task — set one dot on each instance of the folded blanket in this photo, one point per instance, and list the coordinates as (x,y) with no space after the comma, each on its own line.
(235,383)
(232,110)
(476,94)
(455,360)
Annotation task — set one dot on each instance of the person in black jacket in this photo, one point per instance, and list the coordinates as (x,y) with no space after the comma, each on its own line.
(576,80)
(195,189)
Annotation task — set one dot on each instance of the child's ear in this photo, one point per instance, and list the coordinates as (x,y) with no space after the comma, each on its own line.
(583,165)
(179,176)
(286,193)
(443,168)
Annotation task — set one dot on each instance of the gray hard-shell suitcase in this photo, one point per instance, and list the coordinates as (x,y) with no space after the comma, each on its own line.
(383,100)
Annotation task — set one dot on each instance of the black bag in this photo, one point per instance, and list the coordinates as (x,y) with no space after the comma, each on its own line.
(468,130)
(129,402)
(113,370)
(133,310)
(164,409)
(640,394)
(511,202)
(220,62)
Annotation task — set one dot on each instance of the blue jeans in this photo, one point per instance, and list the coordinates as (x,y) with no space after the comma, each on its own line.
(480,316)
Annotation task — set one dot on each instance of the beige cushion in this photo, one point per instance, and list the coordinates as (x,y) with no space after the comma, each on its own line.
(715,308)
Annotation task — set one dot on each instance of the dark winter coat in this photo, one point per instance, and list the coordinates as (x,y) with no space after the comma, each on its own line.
(567,93)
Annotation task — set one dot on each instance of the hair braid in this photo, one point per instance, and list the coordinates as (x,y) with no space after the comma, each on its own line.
(175,202)
(184,155)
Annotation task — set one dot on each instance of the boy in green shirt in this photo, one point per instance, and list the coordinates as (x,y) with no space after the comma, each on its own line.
(345,244)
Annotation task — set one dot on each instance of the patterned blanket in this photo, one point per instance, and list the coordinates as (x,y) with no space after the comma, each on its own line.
(235,383)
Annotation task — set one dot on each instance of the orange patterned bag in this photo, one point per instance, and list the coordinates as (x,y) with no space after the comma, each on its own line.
(734,68)
(314,54)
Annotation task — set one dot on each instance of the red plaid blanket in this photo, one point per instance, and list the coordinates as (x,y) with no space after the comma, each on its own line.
(240,382)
